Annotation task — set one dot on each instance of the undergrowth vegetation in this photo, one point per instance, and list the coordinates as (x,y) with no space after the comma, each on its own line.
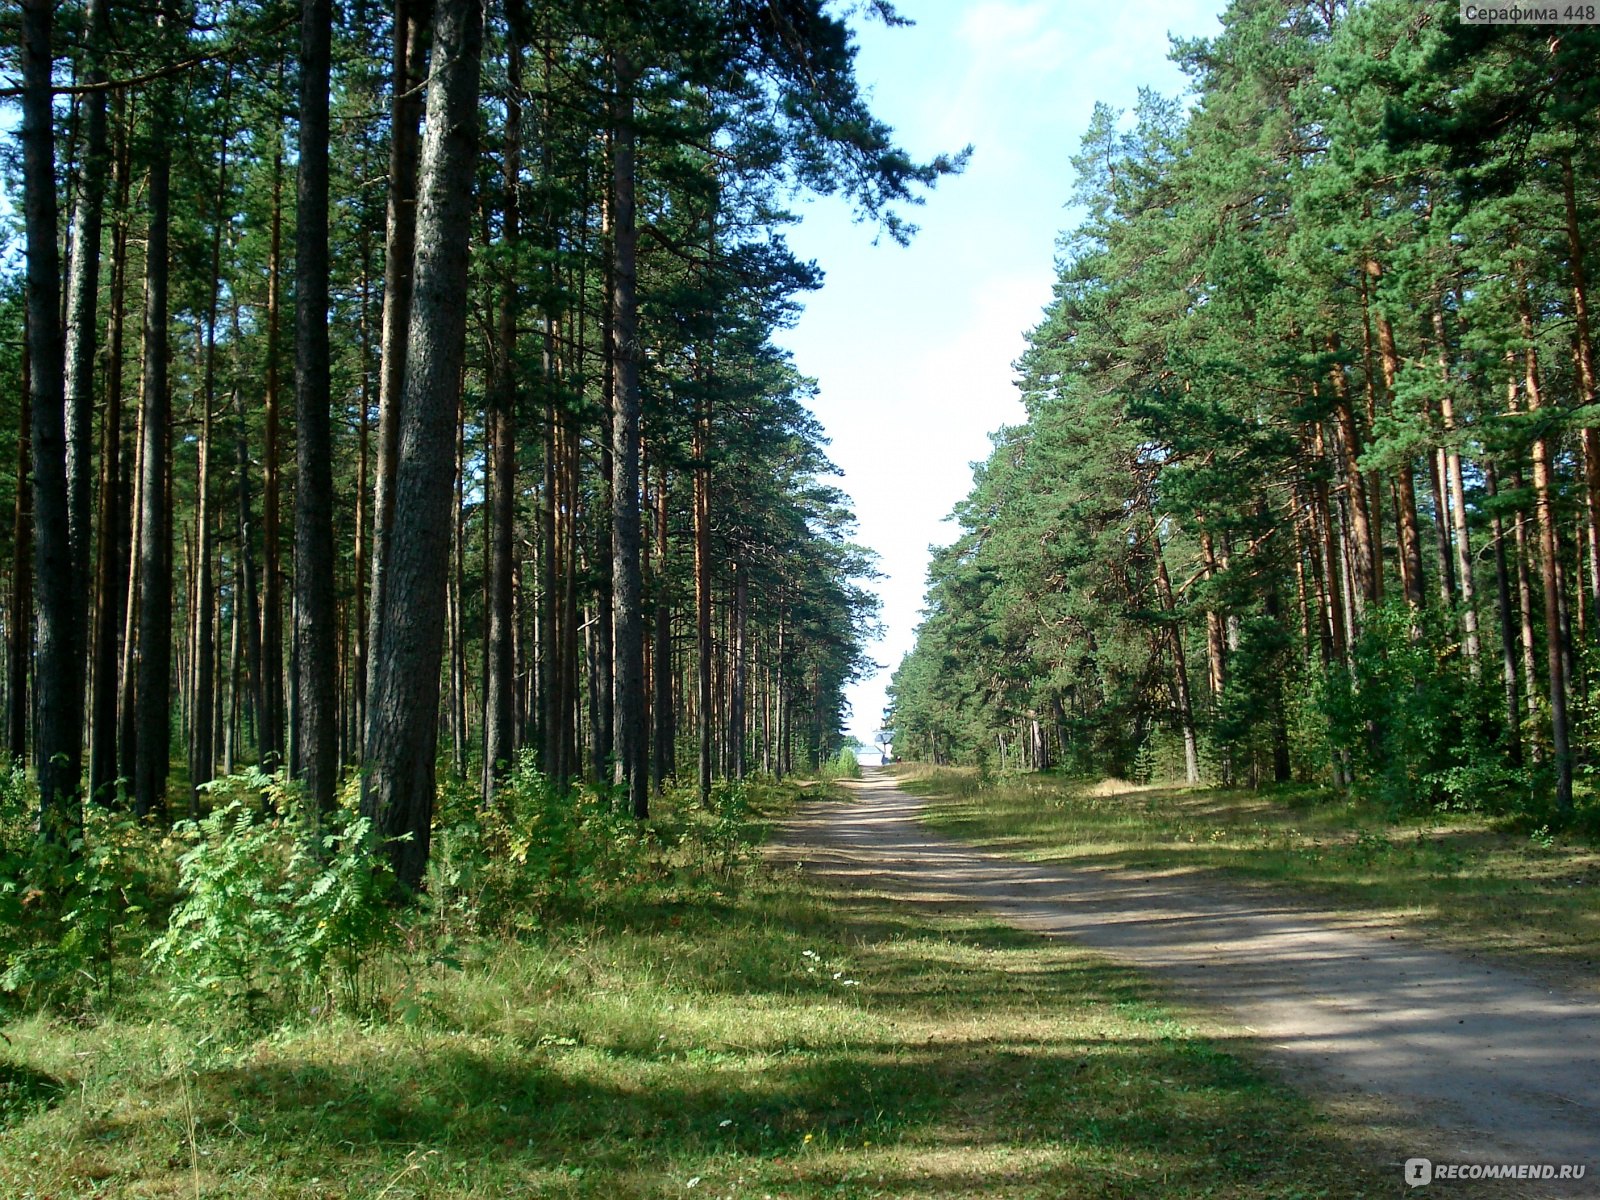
(843,765)
(262,910)
(581,1008)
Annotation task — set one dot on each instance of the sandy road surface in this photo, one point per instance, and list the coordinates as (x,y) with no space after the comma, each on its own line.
(1489,1064)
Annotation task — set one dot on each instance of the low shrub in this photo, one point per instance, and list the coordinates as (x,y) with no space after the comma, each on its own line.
(278,909)
(540,847)
(72,912)
(843,765)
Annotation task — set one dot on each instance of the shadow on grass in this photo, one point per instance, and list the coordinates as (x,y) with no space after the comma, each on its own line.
(24,1091)
(978,1061)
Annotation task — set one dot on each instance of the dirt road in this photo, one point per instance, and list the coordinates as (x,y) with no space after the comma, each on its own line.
(1491,1066)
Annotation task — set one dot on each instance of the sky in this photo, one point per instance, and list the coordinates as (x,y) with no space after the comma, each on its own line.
(913,346)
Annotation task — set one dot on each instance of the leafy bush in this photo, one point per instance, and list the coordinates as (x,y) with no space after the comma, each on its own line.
(18,801)
(843,765)
(727,832)
(275,910)
(71,912)
(1419,731)
(544,851)
(540,847)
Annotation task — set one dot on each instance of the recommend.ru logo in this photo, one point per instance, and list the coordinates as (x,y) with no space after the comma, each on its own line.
(1419,1172)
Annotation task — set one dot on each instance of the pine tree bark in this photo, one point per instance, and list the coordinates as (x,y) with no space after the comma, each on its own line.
(549,607)
(353,689)
(153,700)
(454,598)
(59,678)
(1409,527)
(1587,384)
(571,715)
(629,665)
(1508,653)
(664,734)
(1444,553)
(403,702)
(19,640)
(316,697)
(1363,561)
(202,730)
(499,693)
(1180,669)
(1216,651)
(408,65)
(272,711)
(249,582)
(1549,560)
(736,688)
(1333,573)
(1458,503)
(604,665)
(83,294)
(109,585)
(127,705)
(1526,635)
(704,708)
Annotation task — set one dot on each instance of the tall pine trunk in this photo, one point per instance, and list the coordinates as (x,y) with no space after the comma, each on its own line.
(1408,527)
(1584,347)
(403,702)
(59,679)
(499,692)
(272,710)
(1180,668)
(83,294)
(19,640)
(627,628)
(1458,502)
(702,604)
(1508,653)
(153,694)
(405,117)
(202,731)
(110,580)
(1549,563)
(736,690)
(664,734)
(316,651)
(1365,567)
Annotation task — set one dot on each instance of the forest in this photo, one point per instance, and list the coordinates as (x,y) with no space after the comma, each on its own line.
(1309,484)
(394,392)
(430,610)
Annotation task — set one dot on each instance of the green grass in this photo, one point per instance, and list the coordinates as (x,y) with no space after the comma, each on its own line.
(760,1038)
(1460,877)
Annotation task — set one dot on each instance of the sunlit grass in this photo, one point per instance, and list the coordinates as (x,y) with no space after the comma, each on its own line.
(778,1040)
(1459,876)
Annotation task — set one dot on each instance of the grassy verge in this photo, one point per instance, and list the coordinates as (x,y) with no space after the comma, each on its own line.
(1459,877)
(756,1038)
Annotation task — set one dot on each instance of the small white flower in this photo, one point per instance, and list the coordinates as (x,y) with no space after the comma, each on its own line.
(726,1121)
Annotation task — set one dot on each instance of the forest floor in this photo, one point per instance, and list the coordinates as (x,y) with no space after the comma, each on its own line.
(1455,1057)
(759,1033)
